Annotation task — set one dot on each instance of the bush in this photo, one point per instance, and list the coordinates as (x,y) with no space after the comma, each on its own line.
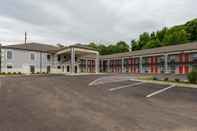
(192,77)
(14,73)
(166,79)
(155,78)
(43,72)
(19,73)
(38,73)
(9,73)
(177,80)
(3,73)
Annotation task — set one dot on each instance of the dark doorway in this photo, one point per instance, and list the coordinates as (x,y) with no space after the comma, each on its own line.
(62,68)
(48,69)
(68,68)
(32,69)
(75,69)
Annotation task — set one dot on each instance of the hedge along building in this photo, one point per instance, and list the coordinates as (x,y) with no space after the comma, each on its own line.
(179,59)
(41,58)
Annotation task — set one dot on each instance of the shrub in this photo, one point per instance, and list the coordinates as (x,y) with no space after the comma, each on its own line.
(3,73)
(43,72)
(192,77)
(166,79)
(177,80)
(19,73)
(155,78)
(14,73)
(9,73)
(38,73)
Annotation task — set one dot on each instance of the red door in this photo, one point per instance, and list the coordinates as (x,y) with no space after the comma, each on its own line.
(186,69)
(181,69)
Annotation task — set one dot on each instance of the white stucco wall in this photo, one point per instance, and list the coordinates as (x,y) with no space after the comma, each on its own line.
(21,61)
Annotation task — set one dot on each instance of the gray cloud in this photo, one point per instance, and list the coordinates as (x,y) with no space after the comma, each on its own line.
(68,21)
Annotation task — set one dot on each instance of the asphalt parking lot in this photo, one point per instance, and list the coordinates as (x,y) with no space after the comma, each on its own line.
(69,103)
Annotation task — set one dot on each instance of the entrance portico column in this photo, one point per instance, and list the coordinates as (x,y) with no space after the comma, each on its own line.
(166,63)
(123,65)
(72,60)
(97,63)
(108,66)
(141,68)
(86,65)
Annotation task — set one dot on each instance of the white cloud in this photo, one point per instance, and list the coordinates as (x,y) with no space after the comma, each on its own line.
(68,21)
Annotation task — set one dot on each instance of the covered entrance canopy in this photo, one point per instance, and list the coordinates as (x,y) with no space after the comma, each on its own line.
(79,59)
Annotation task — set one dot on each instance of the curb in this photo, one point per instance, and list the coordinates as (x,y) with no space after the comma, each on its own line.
(171,83)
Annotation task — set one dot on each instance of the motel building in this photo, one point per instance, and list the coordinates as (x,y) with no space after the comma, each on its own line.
(79,59)
(37,58)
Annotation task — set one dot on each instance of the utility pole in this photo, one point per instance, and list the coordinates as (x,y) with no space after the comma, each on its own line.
(25,37)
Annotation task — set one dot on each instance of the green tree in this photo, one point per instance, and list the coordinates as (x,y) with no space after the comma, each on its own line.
(153,36)
(175,37)
(160,34)
(191,29)
(122,46)
(102,49)
(144,39)
(152,44)
(134,45)
(93,45)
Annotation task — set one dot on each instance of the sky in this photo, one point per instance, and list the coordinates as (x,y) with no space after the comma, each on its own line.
(84,21)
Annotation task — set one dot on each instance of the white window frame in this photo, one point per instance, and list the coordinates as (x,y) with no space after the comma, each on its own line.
(49,57)
(9,65)
(9,69)
(11,54)
(33,56)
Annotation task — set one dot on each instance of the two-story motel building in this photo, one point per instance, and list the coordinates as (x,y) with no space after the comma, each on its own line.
(39,58)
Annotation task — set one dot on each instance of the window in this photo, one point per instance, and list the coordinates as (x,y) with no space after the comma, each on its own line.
(58,67)
(194,57)
(9,54)
(48,57)
(172,59)
(58,57)
(32,56)
(9,66)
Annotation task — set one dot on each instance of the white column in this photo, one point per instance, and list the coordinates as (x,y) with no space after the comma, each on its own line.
(166,63)
(86,65)
(123,65)
(101,66)
(72,60)
(97,63)
(108,66)
(141,68)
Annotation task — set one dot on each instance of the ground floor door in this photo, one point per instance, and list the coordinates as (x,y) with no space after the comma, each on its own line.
(48,69)
(76,69)
(32,69)
(67,68)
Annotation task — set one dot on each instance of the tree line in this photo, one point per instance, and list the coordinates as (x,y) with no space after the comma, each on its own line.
(167,36)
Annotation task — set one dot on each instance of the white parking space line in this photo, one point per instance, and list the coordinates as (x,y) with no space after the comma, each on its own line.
(126,86)
(93,82)
(109,79)
(160,91)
